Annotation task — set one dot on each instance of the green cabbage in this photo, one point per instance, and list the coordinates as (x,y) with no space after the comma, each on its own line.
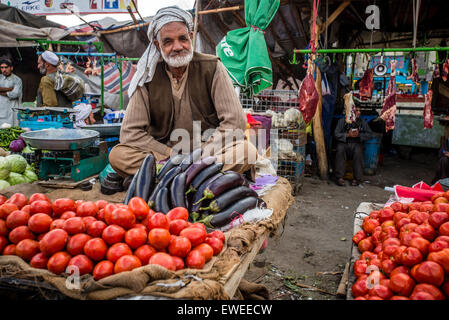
(30,176)
(5,168)
(18,163)
(15,178)
(4,184)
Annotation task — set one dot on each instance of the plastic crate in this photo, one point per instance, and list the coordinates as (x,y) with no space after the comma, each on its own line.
(39,125)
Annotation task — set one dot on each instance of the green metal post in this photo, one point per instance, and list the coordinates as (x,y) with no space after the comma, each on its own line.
(102,86)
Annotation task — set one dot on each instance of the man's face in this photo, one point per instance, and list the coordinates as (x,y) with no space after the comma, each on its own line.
(175,44)
(41,65)
(6,70)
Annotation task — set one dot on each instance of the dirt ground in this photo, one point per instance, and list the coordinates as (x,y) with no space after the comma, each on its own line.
(306,259)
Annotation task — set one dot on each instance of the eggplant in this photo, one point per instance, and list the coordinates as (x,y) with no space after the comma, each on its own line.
(193,157)
(229,197)
(232,212)
(165,182)
(131,188)
(177,190)
(172,162)
(161,202)
(195,168)
(222,184)
(203,175)
(197,197)
(145,179)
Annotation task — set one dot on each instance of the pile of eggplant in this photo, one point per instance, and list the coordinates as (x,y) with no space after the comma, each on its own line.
(211,196)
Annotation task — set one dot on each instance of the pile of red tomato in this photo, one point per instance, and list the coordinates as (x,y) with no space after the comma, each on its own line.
(101,238)
(404,252)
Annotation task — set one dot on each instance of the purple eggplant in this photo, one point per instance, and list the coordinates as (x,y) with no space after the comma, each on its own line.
(203,175)
(131,188)
(195,168)
(177,190)
(165,182)
(161,203)
(145,178)
(194,210)
(172,162)
(193,157)
(222,184)
(230,197)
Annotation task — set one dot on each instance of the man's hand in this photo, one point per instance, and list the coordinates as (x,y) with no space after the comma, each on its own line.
(3,94)
(353,133)
(4,89)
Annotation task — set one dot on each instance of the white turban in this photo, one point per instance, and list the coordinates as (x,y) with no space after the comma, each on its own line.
(147,63)
(50,57)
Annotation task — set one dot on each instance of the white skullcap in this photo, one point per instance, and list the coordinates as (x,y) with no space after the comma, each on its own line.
(147,63)
(50,57)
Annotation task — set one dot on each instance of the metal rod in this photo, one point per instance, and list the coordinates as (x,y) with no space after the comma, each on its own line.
(121,84)
(82,54)
(373,50)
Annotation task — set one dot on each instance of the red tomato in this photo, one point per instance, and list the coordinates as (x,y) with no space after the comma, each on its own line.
(360,235)
(127,263)
(386,214)
(74,225)
(411,256)
(20,233)
(196,235)
(179,263)
(390,232)
(397,206)
(2,199)
(159,238)
(19,199)
(40,223)
(418,217)
(3,228)
(440,257)
(195,259)
(103,269)
(95,249)
(429,272)
(391,242)
(123,217)
(101,204)
(100,215)
(401,283)
(388,223)
(144,253)
(406,237)
(27,248)
(426,207)
(430,289)
(206,250)
(163,259)
(108,212)
(41,206)
(88,220)
(179,246)
(16,219)
(139,207)
(136,237)
(374,214)
(178,213)
(139,225)
(441,207)
(10,249)
(76,243)
(39,261)
(198,225)
(95,229)
(421,244)
(53,241)
(399,298)
(118,250)
(67,215)
(83,263)
(177,225)
(59,206)
(387,266)
(215,243)
(3,243)
(27,209)
(38,196)
(365,245)
(369,225)
(445,288)
(442,238)
(113,234)
(381,291)
(421,295)
(359,288)
(158,220)
(403,222)
(438,245)
(217,234)
(87,209)
(426,231)
(360,267)
(436,219)
(444,229)
(58,262)
(398,216)
(57,224)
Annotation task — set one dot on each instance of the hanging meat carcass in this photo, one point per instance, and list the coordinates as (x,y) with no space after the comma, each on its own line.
(388,113)
(445,71)
(436,72)
(308,97)
(428,114)
(414,75)
(349,108)
(366,85)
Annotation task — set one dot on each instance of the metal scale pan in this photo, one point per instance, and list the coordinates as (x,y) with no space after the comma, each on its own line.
(60,139)
(106,129)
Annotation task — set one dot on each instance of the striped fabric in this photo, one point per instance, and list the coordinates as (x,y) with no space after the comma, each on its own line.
(112,76)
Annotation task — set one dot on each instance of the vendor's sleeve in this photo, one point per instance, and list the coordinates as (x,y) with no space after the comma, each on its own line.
(135,126)
(16,92)
(49,98)
(227,103)
(340,133)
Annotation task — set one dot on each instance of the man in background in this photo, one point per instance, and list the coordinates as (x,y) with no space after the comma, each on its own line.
(10,93)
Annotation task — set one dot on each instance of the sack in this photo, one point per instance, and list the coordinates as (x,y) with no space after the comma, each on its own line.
(70,85)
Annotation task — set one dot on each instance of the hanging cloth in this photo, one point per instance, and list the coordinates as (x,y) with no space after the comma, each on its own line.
(244,51)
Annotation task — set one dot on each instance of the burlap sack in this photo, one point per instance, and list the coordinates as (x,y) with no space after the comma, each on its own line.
(154,280)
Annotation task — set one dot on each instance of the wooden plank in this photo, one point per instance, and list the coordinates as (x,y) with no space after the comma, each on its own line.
(335,14)
(233,282)
(341,291)
(207,35)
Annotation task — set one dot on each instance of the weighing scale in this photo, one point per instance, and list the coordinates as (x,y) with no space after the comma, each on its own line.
(68,153)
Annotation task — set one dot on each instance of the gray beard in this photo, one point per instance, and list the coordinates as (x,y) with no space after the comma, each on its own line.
(178,61)
(43,70)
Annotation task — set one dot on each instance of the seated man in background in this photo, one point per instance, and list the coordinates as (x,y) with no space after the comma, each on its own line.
(178,93)
(350,137)
(442,169)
